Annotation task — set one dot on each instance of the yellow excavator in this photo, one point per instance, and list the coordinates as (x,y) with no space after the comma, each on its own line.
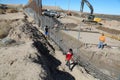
(90,18)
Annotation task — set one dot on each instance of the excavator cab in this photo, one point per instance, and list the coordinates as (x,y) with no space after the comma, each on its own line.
(90,18)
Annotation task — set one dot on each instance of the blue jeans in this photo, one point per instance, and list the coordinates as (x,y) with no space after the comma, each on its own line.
(101,45)
(68,64)
(46,33)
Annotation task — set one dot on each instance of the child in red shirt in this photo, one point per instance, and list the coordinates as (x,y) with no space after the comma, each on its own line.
(69,57)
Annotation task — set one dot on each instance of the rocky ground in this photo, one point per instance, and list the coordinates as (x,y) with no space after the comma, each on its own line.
(25,54)
(89,35)
(19,57)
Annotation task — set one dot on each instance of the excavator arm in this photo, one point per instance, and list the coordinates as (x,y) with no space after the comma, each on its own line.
(91,17)
(88,4)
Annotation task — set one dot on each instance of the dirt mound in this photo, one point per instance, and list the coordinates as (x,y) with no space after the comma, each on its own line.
(31,60)
(2,11)
(10,8)
(112,31)
(6,25)
(52,7)
(70,25)
(4,28)
(17,63)
(23,61)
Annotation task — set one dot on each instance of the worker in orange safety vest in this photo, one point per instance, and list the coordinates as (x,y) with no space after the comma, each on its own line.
(102,39)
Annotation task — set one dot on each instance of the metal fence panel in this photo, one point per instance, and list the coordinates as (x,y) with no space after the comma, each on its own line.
(60,39)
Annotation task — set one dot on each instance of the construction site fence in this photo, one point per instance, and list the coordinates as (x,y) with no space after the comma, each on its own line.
(56,34)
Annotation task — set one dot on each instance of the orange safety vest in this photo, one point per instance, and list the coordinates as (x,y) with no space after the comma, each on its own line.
(102,38)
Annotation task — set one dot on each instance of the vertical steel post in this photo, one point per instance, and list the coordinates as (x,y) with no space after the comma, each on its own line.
(78,37)
(68,5)
(55,5)
(79,32)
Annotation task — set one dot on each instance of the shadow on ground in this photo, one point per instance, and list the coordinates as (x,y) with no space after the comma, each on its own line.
(51,63)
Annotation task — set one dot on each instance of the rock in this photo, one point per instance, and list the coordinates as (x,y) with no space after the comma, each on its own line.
(7,41)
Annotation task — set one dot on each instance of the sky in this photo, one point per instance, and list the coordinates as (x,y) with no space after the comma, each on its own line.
(100,6)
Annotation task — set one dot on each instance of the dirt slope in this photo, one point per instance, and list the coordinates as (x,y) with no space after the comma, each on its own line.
(20,59)
(27,55)
(78,72)
(16,63)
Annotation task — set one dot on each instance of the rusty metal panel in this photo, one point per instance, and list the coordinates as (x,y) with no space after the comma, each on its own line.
(36,5)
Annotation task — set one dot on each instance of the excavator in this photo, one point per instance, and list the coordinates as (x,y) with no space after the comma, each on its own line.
(91,18)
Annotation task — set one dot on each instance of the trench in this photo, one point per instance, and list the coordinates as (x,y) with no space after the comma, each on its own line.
(51,64)
(65,42)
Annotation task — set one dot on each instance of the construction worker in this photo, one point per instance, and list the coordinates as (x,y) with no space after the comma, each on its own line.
(69,57)
(101,41)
